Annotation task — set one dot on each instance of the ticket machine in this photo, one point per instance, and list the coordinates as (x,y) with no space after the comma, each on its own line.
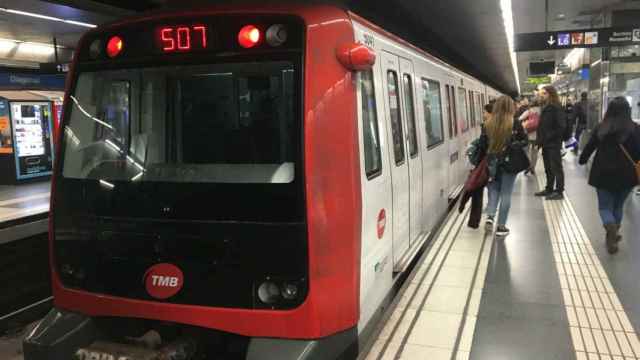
(26,141)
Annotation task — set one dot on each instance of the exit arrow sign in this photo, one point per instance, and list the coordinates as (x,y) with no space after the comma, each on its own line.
(551,40)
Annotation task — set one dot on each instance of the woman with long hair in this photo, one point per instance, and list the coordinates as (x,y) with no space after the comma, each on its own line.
(549,137)
(615,140)
(503,134)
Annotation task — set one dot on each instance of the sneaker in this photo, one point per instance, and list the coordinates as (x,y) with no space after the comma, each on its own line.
(488,226)
(502,231)
(543,193)
(556,195)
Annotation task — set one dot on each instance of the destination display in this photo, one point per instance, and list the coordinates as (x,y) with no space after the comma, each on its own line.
(569,39)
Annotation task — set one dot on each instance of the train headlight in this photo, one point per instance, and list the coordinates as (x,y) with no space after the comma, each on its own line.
(268,292)
(289,291)
(95,49)
(277,35)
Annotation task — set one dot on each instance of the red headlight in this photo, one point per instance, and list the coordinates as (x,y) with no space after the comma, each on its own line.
(249,36)
(114,46)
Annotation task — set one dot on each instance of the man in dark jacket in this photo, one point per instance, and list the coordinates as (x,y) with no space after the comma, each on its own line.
(549,138)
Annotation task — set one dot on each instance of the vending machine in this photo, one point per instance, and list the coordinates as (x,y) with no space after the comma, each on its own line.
(26,142)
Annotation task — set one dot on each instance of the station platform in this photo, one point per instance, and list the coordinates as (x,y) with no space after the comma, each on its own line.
(23,210)
(547,291)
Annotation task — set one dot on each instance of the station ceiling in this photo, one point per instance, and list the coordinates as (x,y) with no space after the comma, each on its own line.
(467,33)
(451,29)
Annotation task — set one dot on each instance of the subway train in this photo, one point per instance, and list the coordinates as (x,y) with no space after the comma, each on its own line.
(238,182)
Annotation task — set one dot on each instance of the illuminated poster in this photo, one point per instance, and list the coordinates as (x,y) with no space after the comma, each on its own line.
(591,37)
(6,143)
(32,134)
(577,38)
(564,39)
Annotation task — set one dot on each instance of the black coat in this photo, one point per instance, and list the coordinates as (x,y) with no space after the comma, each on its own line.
(553,121)
(611,169)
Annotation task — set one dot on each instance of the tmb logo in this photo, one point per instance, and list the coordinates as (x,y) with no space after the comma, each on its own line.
(163,280)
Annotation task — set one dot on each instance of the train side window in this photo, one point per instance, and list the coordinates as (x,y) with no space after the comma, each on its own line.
(410,114)
(370,133)
(462,94)
(472,110)
(449,114)
(432,106)
(396,120)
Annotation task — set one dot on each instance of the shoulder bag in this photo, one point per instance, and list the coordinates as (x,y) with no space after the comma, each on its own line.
(478,178)
(636,165)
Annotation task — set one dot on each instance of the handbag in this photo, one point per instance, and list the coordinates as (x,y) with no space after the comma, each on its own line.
(636,165)
(531,125)
(478,178)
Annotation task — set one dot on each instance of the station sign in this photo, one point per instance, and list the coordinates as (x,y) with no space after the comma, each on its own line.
(32,81)
(538,80)
(570,39)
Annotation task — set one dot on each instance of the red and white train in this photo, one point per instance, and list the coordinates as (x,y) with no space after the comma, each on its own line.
(245,183)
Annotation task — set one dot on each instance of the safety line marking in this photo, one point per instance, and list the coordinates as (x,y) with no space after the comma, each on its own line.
(599,326)
(405,335)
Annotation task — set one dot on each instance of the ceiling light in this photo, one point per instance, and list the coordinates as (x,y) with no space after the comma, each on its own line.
(507,18)
(561,16)
(46,17)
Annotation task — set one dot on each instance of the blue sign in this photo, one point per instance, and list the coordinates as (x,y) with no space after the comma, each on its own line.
(584,73)
(32,81)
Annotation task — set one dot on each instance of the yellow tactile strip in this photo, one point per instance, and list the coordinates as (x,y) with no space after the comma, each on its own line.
(599,326)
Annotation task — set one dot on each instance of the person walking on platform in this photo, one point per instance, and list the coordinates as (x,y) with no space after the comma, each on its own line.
(506,141)
(476,153)
(530,120)
(549,138)
(580,116)
(616,141)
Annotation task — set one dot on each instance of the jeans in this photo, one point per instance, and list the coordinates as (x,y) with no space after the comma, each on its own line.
(611,205)
(553,168)
(500,191)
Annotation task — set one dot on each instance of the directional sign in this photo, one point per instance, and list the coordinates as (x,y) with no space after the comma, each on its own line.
(569,39)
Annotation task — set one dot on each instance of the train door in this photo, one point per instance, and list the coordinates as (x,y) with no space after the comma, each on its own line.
(453,136)
(413,150)
(399,164)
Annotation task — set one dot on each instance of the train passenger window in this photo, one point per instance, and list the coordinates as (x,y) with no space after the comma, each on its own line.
(431,104)
(370,133)
(394,113)
(410,114)
(472,110)
(464,120)
(449,113)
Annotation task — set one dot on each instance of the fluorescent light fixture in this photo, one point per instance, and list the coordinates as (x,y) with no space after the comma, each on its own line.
(113,146)
(75,101)
(596,62)
(107,184)
(137,177)
(46,17)
(507,18)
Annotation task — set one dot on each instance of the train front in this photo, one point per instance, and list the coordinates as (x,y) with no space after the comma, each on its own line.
(189,217)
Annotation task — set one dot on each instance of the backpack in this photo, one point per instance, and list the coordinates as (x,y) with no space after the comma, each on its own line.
(531,125)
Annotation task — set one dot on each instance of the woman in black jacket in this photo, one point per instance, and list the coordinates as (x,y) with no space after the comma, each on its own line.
(612,173)
(549,137)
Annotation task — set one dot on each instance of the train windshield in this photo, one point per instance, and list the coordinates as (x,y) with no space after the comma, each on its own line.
(221,123)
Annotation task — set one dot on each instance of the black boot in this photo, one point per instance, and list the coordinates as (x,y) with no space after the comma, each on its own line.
(612,244)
